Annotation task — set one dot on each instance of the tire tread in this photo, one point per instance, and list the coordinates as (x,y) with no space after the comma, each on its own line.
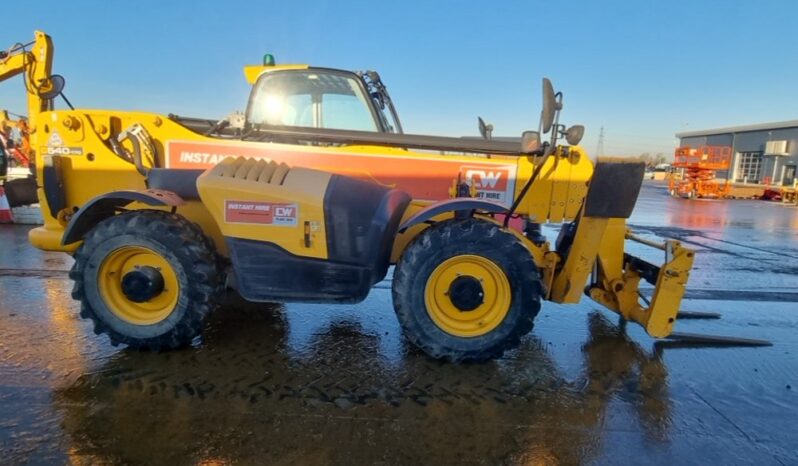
(478,234)
(189,244)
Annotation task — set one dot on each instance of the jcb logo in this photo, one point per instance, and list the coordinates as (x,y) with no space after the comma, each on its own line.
(487,179)
(284,211)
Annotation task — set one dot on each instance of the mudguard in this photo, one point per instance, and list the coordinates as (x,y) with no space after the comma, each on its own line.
(104,206)
(451,205)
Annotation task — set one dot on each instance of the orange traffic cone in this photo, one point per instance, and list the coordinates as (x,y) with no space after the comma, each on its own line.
(5,209)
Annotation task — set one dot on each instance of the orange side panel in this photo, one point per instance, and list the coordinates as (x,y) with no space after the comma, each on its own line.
(424,178)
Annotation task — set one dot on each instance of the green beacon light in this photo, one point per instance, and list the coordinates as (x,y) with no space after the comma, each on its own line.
(268,60)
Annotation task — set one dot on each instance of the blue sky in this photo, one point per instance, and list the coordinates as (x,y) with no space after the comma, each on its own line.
(641,69)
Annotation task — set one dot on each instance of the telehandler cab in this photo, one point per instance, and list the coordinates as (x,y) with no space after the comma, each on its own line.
(313,194)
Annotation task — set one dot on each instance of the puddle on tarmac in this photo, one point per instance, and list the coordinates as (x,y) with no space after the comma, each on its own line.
(331,394)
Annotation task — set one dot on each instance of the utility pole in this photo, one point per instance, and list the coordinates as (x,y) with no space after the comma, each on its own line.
(600,145)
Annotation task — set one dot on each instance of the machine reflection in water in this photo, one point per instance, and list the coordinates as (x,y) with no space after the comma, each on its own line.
(246,396)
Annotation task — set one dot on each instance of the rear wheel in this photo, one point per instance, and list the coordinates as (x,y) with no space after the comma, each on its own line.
(147,278)
(465,290)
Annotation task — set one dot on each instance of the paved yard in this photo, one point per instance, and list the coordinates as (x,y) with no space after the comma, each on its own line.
(319,384)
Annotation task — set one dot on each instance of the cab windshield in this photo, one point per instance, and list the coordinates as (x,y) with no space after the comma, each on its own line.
(311,99)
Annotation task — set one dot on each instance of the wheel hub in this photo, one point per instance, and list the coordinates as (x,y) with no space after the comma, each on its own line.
(466,293)
(142,284)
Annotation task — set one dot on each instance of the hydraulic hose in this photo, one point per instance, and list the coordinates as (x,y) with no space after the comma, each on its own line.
(517,200)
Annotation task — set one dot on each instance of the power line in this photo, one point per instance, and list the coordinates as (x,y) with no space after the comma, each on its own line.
(600,145)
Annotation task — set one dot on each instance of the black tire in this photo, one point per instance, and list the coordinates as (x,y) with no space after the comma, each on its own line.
(465,237)
(187,251)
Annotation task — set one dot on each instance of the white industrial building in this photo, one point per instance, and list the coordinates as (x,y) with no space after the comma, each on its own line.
(761,154)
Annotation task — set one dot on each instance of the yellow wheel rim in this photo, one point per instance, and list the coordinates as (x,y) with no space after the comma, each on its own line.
(127,259)
(496,296)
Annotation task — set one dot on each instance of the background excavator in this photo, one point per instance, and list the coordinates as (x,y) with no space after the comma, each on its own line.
(313,193)
(16,170)
(14,138)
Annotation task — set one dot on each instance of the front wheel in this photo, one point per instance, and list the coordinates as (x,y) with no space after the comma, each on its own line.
(147,279)
(465,290)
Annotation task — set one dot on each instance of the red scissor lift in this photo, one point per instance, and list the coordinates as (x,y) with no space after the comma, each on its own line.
(700,164)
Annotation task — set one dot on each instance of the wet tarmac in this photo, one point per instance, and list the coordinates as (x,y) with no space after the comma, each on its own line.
(319,384)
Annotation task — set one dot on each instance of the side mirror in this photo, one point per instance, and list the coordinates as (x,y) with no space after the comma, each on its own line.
(574,134)
(51,88)
(549,106)
(485,130)
(530,142)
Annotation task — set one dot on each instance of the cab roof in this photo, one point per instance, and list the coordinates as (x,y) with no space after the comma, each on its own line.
(252,72)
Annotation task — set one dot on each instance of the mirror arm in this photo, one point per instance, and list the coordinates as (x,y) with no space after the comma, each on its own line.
(555,128)
(67,101)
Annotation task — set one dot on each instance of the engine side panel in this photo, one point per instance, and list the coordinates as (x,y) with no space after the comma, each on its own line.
(362,219)
(262,201)
(301,234)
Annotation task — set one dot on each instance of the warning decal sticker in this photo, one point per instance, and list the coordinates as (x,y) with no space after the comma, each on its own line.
(260,213)
(55,139)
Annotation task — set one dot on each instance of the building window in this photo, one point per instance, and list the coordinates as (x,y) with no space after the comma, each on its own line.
(788,175)
(749,167)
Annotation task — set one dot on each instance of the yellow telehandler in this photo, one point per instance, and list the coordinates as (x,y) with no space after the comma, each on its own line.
(312,194)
